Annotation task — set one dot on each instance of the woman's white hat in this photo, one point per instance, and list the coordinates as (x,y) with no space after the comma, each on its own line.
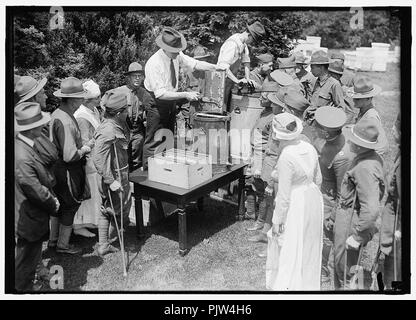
(286,126)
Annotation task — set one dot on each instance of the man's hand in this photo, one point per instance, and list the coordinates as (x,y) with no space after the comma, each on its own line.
(251,83)
(192,95)
(220,67)
(85,149)
(329,224)
(352,243)
(115,186)
(269,191)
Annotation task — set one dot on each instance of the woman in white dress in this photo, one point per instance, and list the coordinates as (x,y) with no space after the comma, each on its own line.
(295,240)
(88,119)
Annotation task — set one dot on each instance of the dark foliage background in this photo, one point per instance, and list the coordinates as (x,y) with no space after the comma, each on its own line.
(100,45)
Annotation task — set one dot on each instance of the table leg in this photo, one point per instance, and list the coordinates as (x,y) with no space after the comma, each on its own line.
(138,212)
(241,199)
(200,204)
(182,230)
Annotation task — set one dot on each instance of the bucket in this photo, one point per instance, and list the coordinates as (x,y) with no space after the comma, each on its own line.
(245,111)
(210,136)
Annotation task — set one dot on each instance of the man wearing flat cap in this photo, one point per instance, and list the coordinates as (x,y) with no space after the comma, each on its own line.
(261,73)
(110,158)
(138,100)
(161,80)
(335,159)
(234,52)
(305,77)
(359,200)
(71,183)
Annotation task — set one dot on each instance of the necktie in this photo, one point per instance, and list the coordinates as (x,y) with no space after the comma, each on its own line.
(172,73)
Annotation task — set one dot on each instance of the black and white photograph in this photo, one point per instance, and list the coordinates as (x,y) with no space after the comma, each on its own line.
(189,149)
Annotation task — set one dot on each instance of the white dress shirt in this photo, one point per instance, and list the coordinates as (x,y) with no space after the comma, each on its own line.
(158,75)
(233,50)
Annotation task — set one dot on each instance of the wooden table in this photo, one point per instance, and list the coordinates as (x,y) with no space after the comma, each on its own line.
(180,197)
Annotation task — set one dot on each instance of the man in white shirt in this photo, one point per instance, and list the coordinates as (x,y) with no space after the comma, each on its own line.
(234,52)
(161,80)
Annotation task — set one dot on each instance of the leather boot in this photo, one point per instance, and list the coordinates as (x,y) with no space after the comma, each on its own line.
(54,232)
(250,206)
(63,245)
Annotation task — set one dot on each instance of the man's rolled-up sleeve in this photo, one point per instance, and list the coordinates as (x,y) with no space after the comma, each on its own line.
(227,53)
(155,80)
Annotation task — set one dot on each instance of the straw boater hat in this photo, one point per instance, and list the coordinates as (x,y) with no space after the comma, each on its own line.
(286,126)
(319,57)
(257,31)
(364,88)
(171,40)
(71,88)
(330,118)
(28,115)
(336,67)
(134,67)
(27,87)
(282,78)
(365,134)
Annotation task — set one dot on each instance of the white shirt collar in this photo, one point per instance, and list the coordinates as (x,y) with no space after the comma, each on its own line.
(28,141)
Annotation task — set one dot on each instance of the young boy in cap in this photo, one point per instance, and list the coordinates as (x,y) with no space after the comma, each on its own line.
(35,199)
(71,182)
(110,158)
(361,192)
(364,91)
(261,73)
(334,159)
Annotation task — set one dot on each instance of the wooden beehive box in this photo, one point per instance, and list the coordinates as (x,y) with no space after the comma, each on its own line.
(183,169)
(212,91)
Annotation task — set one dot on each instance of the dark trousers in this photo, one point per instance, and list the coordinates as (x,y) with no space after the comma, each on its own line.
(27,257)
(136,151)
(160,116)
(227,93)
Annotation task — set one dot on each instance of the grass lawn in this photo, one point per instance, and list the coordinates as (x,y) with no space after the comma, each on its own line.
(220,258)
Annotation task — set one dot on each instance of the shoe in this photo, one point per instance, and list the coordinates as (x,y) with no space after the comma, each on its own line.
(84,233)
(248,216)
(260,237)
(106,248)
(70,249)
(256,226)
(263,254)
(52,245)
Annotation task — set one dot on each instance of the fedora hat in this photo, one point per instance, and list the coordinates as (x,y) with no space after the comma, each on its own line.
(265,58)
(336,67)
(257,30)
(285,63)
(330,118)
(27,87)
(134,67)
(286,126)
(364,88)
(295,100)
(319,57)
(200,53)
(282,78)
(277,98)
(114,100)
(71,87)
(171,40)
(365,134)
(300,58)
(28,115)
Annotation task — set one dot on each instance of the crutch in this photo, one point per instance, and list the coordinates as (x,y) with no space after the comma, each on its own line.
(121,213)
(394,240)
(355,278)
(346,237)
(119,234)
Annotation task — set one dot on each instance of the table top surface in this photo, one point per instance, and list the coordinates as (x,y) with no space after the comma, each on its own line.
(140,177)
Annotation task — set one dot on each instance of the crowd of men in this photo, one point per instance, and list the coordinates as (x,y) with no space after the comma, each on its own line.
(75,162)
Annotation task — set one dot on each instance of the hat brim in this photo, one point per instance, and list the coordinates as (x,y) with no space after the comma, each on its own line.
(168,48)
(202,57)
(350,136)
(59,94)
(275,100)
(282,79)
(336,71)
(278,135)
(255,36)
(34,91)
(45,119)
(316,62)
(376,90)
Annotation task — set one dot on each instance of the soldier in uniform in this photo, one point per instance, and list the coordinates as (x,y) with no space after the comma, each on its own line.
(336,70)
(288,65)
(138,100)
(361,192)
(305,77)
(260,74)
(334,159)
(347,77)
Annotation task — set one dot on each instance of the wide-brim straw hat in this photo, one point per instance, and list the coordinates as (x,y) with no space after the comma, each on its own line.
(71,87)
(280,125)
(27,87)
(171,40)
(365,133)
(200,53)
(364,88)
(28,115)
